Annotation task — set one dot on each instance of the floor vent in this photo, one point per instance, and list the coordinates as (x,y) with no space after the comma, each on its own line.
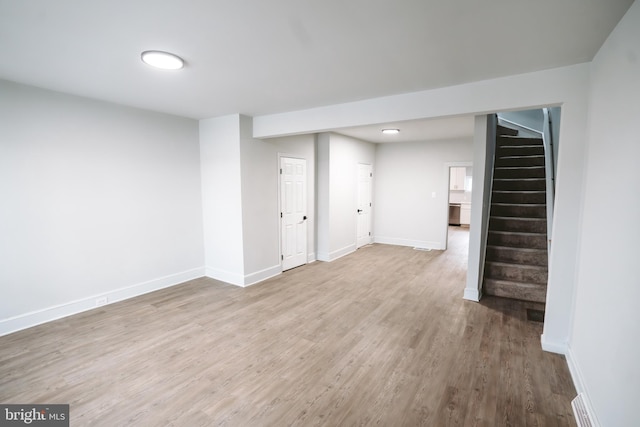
(422,249)
(535,315)
(580,411)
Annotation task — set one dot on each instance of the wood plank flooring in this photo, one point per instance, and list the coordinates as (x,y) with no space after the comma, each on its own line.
(379,337)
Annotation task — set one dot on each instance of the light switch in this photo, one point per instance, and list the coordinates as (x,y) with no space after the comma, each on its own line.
(433,194)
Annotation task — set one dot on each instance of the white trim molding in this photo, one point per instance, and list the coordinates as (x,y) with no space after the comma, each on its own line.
(225,276)
(259,276)
(422,244)
(339,253)
(472,295)
(553,346)
(34,318)
(580,385)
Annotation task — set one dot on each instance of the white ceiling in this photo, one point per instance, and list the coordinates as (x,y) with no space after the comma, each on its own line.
(258,57)
(415,130)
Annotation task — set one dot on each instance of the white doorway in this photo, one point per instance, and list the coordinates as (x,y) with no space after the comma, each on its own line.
(365,179)
(458,176)
(293,215)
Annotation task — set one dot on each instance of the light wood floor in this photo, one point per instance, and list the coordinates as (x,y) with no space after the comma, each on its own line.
(379,337)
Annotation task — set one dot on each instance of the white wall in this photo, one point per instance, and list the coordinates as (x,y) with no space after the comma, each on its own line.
(260,211)
(222,198)
(96,200)
(406,176)
(337,189)
(484,148)
(605,340)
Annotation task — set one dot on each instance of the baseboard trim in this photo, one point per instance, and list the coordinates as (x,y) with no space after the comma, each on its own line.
(472,295)
(311,257)
(580,385)
(49,314)
(553,346)
(423,244)
(225,276)
(332,256)
(259,276)
(342,252)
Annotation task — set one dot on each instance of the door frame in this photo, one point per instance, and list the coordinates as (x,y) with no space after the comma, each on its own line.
(445,204)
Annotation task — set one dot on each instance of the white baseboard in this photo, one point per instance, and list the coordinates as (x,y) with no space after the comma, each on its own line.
(342,252)
(408,242)
(311,257)
(259,276)
(225,276)
(34,318)
(580,385)
(334,255)
(553,346)
(472,294)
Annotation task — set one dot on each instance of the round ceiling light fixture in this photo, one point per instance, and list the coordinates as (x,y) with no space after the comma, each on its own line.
(391,131)
(162,60)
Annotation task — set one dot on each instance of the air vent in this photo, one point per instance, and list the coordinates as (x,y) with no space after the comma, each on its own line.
(580,411)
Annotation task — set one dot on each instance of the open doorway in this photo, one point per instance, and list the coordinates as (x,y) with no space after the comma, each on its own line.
(459,178)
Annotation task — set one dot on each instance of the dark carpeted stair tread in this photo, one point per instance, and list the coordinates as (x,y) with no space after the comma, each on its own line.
(518,290)
(511,255)
(519,210)
(519,171)
(517,184)
(503,131)
(518,224)
(533,197)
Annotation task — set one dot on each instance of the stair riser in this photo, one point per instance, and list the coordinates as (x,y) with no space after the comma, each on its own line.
(518,241)
(511,255)
(535,294)
(520,161)
(522,150)
(520,172)
(519,211)
(502,130)
(524,225)
(503,140)
(533,198)
(519,184)
(516,273)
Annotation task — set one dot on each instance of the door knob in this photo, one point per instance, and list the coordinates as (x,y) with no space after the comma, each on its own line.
(359,210)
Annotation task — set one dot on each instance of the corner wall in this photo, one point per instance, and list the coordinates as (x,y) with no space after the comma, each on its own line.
(222,198)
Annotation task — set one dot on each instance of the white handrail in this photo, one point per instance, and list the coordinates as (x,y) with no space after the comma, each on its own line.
(549,165)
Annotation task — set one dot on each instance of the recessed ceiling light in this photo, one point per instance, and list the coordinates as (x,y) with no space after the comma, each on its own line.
(390,131)
(163,60)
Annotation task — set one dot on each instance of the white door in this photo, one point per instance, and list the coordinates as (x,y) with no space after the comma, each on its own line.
(365,178)
(293,206)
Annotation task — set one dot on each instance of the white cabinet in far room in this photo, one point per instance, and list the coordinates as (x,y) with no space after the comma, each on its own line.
(465,214)
(457,177)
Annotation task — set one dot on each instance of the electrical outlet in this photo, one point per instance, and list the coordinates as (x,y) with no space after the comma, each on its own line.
(101,301)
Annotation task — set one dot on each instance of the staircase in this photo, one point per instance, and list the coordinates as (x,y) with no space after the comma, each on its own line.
(516,258)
